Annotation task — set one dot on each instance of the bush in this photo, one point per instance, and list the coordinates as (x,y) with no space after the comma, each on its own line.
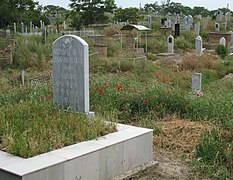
(221,50)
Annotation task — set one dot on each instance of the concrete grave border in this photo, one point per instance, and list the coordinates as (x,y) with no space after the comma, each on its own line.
(104,158)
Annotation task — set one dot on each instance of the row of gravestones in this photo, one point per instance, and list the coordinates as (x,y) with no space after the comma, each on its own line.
(71,74)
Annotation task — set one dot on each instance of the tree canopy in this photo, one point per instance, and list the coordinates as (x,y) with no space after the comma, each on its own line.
(91,12)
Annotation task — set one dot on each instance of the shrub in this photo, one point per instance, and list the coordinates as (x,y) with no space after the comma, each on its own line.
(221,50)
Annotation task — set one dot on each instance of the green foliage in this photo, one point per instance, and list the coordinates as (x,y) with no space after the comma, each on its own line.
(91,12)
(30,124)
(221,51)
(211,149)
(182,44)
(127,14)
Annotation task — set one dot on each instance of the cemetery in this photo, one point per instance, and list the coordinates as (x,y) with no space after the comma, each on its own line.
(146,96)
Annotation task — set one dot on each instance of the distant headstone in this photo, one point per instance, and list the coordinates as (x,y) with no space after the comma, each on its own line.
(26,29)
(41,24)
(22,28)
(71,73)
(163,21)
(228,17)
(219,15)
(198,45)
(8,33)
(231,44)
(170,43)
(217,27)
(36,29)
(196,82)
(30,27)
(177,30)
(44,35)
(149,22)
(14,27)
(197,28)
(222,41)
(205,23)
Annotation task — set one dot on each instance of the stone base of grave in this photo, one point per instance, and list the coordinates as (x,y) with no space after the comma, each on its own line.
(101,159)
(165,54)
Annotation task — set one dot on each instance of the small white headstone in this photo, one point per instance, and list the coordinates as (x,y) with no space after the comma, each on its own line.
(198,45)
(170,43)
(217,27)
(196,82)
(222,41)
(71,73)
(14,27)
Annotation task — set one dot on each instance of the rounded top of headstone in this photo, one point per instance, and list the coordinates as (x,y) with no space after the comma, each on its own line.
(199,38)
(170,36)
(190,16)
(65,37)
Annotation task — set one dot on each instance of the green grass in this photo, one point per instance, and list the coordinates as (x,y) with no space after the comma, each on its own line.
(30,124)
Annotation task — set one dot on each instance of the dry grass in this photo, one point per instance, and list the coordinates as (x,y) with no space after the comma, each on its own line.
(196,62)
(181,135)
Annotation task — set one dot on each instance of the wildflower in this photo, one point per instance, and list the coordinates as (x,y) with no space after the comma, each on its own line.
(126,109)
(119,87)
(49,87)
(150,97)
(146,102)
(41,99)
(187,92)
(184,89)
(181,93)
(106,87)
(13,90)
(105,83)
(101,91)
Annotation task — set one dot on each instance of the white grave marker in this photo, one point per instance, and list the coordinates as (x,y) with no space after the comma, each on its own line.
(222,41)
(196,82)
(170,43)
(71,73)
(198,45)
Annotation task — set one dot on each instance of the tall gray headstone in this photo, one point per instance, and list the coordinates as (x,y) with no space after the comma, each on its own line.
(228,17)
(149,22)
(198,45)
(222,41)
(219,15)
(41,24)
(71,73)
(170,44)
(196,82)
(22,28)
(197,28)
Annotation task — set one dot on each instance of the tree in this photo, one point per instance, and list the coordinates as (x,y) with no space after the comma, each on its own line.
(92,11)
(127,14)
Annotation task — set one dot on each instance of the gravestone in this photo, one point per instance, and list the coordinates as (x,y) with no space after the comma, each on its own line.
(198,45)
(231,44)
(228,17)
(71,73)
(222,41)
(217,27)
(149,22)
(8,33)
(22,28)
(196,82)
(185,23)
(36,29)
(30,27)
(14,27)
(197,28)
(41,24)
(177,30)
(44,35)
(219,15)
(170,43)
(205,23)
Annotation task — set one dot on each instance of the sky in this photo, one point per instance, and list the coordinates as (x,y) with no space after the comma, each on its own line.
(209,4)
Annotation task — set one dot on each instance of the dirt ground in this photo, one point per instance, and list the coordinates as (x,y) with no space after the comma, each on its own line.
(173,148)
